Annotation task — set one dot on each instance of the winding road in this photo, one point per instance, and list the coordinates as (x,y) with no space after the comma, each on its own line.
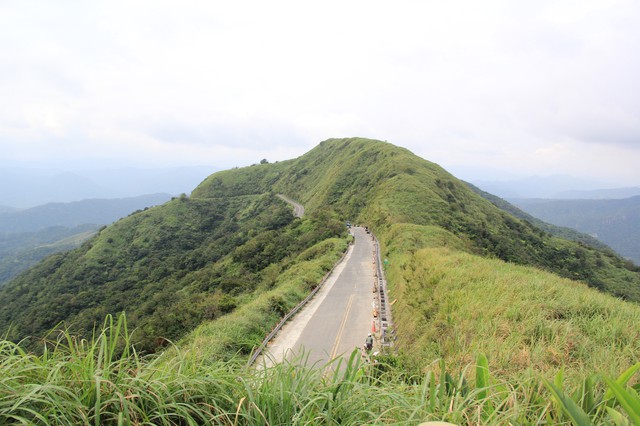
(298,209)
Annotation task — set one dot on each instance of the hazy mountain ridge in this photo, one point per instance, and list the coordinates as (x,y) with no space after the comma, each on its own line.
(554,187)
(20,251)
(27,236)
(29,187)
(600,194)
(75,213)
(557,230)
(615,222)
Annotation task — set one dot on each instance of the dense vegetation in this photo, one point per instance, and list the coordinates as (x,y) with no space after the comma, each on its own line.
(20,251)
(170,268)
(615,222)
(495,320)
(380,184)
(29,235)
(412,204)
(196,258)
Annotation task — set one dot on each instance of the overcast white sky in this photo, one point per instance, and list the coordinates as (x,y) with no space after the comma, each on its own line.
(523,87)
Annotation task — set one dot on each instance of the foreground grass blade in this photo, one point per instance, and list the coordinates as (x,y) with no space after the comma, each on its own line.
(568,405)
(623,379)
(618,418)
(482,375)
(627,398)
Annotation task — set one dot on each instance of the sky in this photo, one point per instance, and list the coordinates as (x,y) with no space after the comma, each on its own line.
(488,90)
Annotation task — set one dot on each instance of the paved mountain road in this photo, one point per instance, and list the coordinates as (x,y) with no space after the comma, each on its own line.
(338,318)
(298,209)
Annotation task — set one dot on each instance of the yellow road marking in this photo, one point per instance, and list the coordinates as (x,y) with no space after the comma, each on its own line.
(341,329)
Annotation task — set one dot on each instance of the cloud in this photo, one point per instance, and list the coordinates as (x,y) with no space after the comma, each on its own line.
(496,83)
(250,134)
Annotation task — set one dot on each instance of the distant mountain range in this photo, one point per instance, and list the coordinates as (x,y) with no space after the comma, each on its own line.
(554,187)
(76,213)
(614,222)
(601,194)
(24,188)
(27,236)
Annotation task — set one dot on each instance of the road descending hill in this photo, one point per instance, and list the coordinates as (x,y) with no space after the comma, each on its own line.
(339,317)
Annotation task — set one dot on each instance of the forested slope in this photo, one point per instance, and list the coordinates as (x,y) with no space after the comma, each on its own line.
(169,267)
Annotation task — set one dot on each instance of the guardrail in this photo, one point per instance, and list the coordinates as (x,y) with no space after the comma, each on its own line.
(256,353)
(385,324)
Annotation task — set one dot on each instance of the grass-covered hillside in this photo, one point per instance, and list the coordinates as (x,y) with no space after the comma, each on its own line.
(199,257)
(380,184)
(497,321)
(522,284)
(454,305)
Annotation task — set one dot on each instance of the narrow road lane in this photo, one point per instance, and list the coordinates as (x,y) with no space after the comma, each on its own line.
(339,317)
(298,209)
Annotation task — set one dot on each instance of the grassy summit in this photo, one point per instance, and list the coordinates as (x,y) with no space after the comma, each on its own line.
(454,260)
(380,184)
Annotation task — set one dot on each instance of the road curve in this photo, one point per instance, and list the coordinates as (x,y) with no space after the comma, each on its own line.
(298,209)
(338,318)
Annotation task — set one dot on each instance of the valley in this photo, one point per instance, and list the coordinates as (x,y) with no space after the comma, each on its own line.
(615,222)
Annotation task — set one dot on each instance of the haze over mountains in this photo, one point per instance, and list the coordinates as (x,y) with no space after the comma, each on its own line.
(609,214)
(90,211)
(30,187)
(614,222)
(29,235)
(554,187)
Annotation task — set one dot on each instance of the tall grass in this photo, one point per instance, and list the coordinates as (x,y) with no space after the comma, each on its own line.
(103,381)
(454,305)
